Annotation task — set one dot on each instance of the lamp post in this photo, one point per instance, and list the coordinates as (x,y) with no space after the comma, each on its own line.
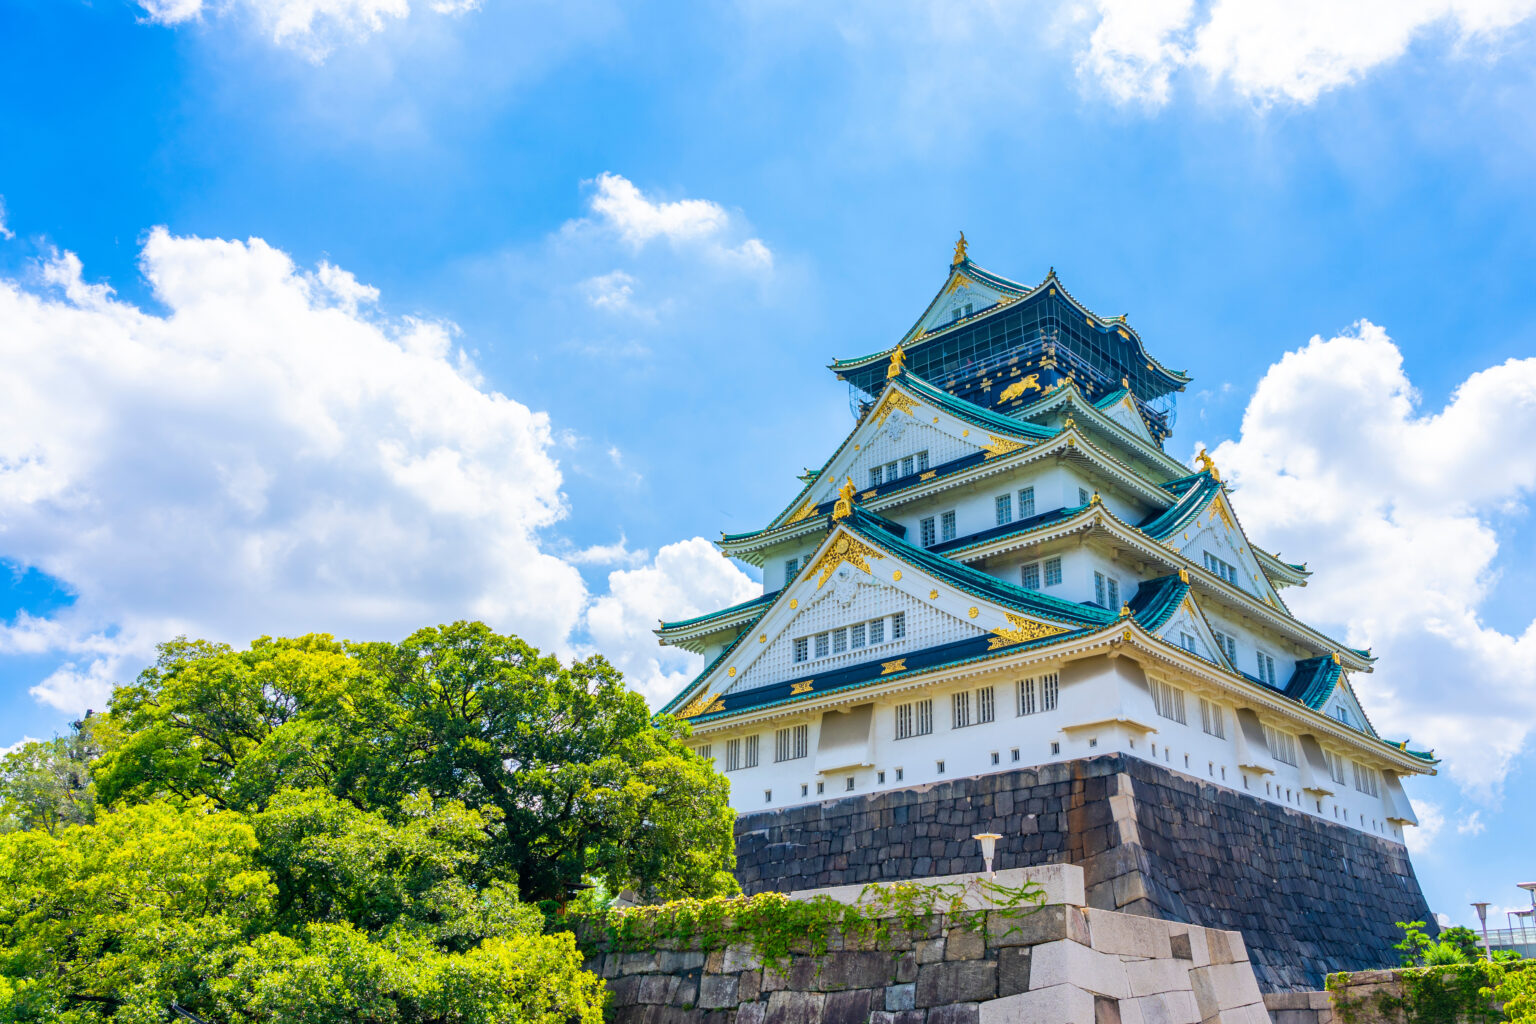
(1482,916)
(988,842)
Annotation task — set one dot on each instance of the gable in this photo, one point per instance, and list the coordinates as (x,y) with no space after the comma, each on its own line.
(962,296)
(1124,413)
(1344,700)
(1215,531)
(1189,621)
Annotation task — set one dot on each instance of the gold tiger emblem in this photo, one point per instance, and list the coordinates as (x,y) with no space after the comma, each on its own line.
(1018,387)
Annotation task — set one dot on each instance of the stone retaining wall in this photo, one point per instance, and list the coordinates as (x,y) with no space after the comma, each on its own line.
(1310,896)
(1062,964)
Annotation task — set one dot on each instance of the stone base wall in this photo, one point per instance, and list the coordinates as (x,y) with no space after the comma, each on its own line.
(1309,896)
(1060,964)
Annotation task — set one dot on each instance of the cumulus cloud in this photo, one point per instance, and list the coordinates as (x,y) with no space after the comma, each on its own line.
(1394,509)
(312,27)
(619,206)
(5,232)
(270,454)
(1431,823)
(1268,50)
(685,579)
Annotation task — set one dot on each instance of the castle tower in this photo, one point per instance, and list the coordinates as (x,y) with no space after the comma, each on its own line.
(1001,606)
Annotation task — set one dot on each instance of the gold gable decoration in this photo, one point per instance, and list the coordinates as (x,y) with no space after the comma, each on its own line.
(894,401)
(845,549)
(804,512)
(1021,630)
(705,704)
(1002,445)
(843,507)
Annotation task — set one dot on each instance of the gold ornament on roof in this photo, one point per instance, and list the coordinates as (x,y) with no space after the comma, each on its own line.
(843,508)
(1018,388)
(704,704)
(845,549)
(1184,576)
(1125,611)
(887,667)
(1208,465)
(1002,446)
(798,688)
(960,251)
(1021,630)
(898,357)
(894,401)
(803,512)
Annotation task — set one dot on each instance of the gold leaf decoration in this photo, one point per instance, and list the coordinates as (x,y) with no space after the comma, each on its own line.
(804,687)
(887,667)
(705,704)
(895,400)
(1002,445)
(845,549)
(974,611)
(804,512)
(1018,387)
(1021,630)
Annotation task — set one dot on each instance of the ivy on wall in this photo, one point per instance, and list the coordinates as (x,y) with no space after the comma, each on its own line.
(1471,993)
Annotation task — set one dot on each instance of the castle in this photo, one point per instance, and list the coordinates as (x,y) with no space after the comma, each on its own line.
(1001,606)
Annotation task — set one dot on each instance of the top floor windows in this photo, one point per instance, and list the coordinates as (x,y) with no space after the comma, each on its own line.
(947,525)
(1226,570)
(930,535)
(1342,714)
(870,633)
(1004,504)
(1026,502)
(961,311)
(898,468)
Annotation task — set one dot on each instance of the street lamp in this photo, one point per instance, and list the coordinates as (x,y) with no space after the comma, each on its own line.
(1482,916)
(988,842)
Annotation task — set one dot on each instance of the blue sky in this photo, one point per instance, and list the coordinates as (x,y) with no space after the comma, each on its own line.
(515,302)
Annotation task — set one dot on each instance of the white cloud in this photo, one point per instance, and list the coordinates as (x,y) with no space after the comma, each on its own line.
(1272,50)
(5,232)
(622,208)
(1473,825)
(614,292)
(617,553)
(18,745)
(270,455)
(1393,509)
(687,578)
(312,27)
(1431,822)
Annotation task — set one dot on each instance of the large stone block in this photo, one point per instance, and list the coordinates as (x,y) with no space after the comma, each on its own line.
(1059,1004)
(794,1008)
(1068,963)
(956,1013)
(718,990)
(849,1007)
(1012,970)
(1127,935)
(1149,977)
(956,981)
(1029,927)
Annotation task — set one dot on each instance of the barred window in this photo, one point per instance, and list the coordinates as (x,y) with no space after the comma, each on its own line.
(1082,495)
(890,471)
(802,649)
(898,625)
(1027,703)
(1052,571)
(947,525)
(1212,720)
(792,743)
(876,476)
(856,635)
(986,705)
(914,719)
(962,707)
(839,640)
(930,538)
(1228,646)
(877,631)
(791,567)
(1049,685)
(1367,780)
(1282,745)
(1029,576)
(1026,502)
(1335,766)
(1226,570)
(1168,701)
(707,752)
(1106,591)
(906,466)
(741,753)
(1004,504)
(822,641)
(922,462)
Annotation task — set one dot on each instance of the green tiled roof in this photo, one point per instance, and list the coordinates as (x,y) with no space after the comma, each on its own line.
(766,599)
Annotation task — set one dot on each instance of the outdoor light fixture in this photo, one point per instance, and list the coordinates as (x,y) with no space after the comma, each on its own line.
(988,842)
(1482,916)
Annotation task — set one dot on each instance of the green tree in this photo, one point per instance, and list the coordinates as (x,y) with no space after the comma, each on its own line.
(47,784)
(572,778)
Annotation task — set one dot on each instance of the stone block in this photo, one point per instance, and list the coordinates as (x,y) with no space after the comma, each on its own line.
(1027,928)
(738,958)
(848,970)
(956,1013)
(964,944)
(1058,1004)
(719,990)
(799,974)
(1106,1010)
(1166,1008)
(1128,934)
(898,1017)
(900,997)
(752,1013)
(658,989)
(1149,977)
(1012,970)
(848,1007)
(749,985)
(1129,888)
(793,1008)
(956,981)
(905,969)
(676,962)
(1196,947)
(930,951)
(1068,963)
(638,963)
(1222,987)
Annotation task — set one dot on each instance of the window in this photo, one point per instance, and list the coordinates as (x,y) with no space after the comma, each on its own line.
(906,466)
(962,701)
(856,635)
(1227,645)
(1082,495)
(1168,701)
(1342,714)
(922,462)
(767,796)
(821,644)
(790,744)
(1106,591)
(839,641)
(1187,642)
(849,785)
(1004,504)
(1013,754)
(1029,576)
(791,567)
(821,787)
(802,649)
(1282,745)
(707,752)
(877,631)
(1335,766)
(805,790)
(898,625)
(947,525)
(939,765)
(890,471)
(1266,668)
(880,778)
(914,719)
(1212,720)
(1226,570)
(929,537)
(1026,502)
(1367,780)
(876,476)
(901,773)
(1052,571)
(741,753)
(986,706)
(1038,694)
(996,757)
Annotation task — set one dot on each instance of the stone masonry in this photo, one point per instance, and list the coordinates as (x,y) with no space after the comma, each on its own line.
(1062,964)
(1308,895)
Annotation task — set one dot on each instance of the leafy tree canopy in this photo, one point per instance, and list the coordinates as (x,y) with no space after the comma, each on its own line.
(572,778)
